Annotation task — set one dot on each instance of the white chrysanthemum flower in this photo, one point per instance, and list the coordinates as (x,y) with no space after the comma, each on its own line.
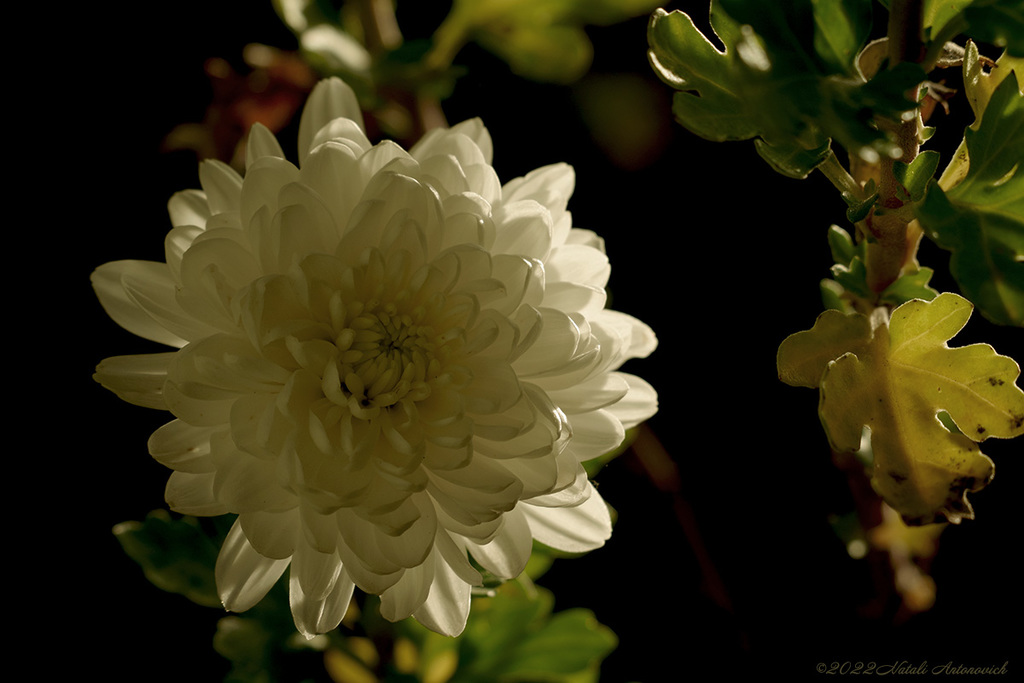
(387,364)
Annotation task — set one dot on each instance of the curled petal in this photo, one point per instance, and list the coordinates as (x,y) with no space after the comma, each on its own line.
(136,379)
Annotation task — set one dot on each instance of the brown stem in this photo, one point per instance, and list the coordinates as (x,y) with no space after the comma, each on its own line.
(890,249)
(380,27)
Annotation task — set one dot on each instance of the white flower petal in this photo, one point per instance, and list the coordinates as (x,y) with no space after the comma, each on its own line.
(124,287)
(261,143)
(446,608)
(189,208)
(571,529)
(222,185)
(182,447)
(331,99)
(243,575)
(507,553)
(640,404)
(193,494)
(319,615)
(136,379)
(550,186)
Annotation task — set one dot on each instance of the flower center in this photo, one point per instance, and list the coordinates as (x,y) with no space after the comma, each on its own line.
(395,331)
(384,357)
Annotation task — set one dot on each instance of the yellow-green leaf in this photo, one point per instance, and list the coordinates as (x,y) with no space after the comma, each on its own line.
(897,385)
(804,356)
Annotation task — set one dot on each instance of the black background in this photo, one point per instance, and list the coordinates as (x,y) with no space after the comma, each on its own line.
(718,254)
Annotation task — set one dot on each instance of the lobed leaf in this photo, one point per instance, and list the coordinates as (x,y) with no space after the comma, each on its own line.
(980,217)
(898,383)
(785,76)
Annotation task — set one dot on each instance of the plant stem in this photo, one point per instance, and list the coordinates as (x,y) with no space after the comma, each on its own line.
(380,27)
(841,178)
(889,249)
(382,34)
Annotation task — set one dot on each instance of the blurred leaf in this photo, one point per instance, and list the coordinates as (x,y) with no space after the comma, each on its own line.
(841,27)
(893,379)
(981,219)
(627,115)
(1000,22)
(550,53)
(247,644)
(542,40)
(175,555)
(317,25)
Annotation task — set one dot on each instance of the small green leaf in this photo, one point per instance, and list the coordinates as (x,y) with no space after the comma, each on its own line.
(916,175)
(853,278)
(793,161)
(859,208)
(910,286)
(841,244)
(175,555)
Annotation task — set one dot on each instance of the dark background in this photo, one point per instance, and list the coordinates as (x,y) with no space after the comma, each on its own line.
(718,254)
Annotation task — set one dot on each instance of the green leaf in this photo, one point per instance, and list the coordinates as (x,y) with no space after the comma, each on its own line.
(513,637)
(915,176)
(571,642)
(896,384)
(805,356)
(175,555)
(792,161)
(910,286)
(841,27)
(785,74)
(841,244)
(707,104)
(854,278)
(1000,22)
(981,218)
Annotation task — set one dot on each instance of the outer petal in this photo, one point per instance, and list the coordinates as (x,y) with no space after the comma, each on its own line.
(640,404)
(320,590)
(243,575)
(446,608)
(506,555)
(113,283)
(193,494)
(331,99)
(571,529)
(136,379)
